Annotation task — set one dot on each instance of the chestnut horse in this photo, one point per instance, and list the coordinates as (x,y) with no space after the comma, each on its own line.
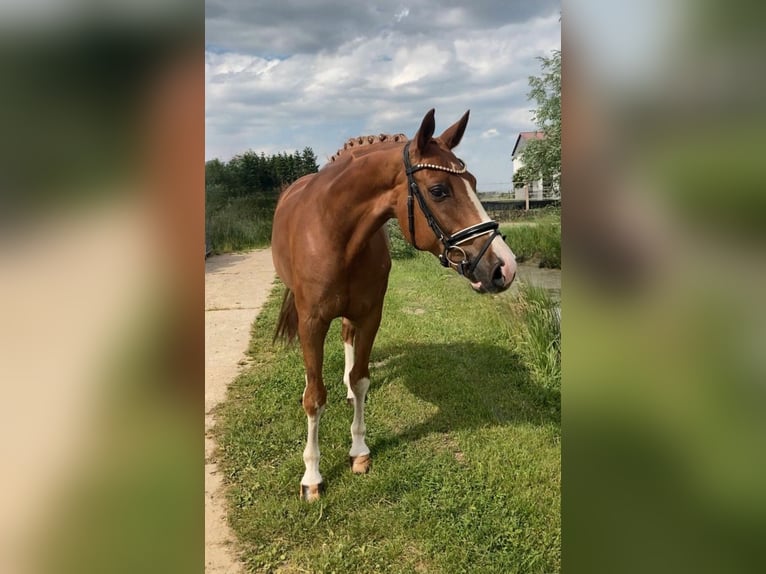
(331,252)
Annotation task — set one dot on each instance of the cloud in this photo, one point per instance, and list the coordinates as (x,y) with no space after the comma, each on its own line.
(306,26)
(314,74)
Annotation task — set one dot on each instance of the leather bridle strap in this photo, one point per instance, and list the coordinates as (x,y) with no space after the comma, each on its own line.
(451,243)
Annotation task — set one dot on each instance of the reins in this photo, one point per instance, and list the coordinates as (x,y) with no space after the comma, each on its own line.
(452,242)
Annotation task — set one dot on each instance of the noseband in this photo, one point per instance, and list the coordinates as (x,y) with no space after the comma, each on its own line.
(452,242)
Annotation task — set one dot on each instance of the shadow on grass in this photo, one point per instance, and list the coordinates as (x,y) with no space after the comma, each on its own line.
(473,386)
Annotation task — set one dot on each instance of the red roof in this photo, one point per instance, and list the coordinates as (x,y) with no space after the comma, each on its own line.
(526,136)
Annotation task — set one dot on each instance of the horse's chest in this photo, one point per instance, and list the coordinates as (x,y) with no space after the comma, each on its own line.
(356,296)
(351,303)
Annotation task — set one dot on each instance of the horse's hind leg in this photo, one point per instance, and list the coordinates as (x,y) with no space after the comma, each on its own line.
(312,334)
(359,382)
(348,331)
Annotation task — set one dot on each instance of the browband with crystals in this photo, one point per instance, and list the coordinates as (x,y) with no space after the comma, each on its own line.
(419,166)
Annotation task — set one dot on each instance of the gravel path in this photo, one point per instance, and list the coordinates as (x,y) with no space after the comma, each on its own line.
(236,285)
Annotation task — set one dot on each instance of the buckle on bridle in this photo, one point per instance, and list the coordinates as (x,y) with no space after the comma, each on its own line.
(447,261)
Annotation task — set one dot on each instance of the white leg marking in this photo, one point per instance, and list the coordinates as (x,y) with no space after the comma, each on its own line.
(311,453)
(358,446)
(349,350)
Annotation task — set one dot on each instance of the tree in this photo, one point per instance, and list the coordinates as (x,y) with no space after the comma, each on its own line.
(253,175)
(542,158)
(308,161)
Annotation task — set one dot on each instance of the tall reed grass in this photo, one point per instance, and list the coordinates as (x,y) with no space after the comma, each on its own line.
(535,330)
(242,223)
(538,241)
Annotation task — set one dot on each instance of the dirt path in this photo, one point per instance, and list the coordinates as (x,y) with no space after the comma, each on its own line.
(236,285)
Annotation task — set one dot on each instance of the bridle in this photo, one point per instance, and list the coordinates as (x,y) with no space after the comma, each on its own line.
(452,242)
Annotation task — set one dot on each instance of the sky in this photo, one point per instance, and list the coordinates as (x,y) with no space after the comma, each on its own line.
(283,75)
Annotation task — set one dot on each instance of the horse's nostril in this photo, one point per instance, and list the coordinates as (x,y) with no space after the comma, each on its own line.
(497,276)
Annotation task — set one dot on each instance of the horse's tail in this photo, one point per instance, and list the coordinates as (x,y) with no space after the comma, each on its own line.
(287,325)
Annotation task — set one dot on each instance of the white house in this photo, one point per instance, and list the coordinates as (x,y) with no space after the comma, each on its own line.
(535,188)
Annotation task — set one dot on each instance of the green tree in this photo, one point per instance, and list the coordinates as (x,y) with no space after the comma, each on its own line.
(253,175)
(542,158)
(308,161)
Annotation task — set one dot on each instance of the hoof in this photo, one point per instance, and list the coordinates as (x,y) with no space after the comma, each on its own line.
(312,492)
(350,401)
(360,464)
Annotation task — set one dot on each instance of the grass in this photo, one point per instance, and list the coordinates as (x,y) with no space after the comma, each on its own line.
(242,223)
(537,339)
(539,241)
(510,211)
(465,444)
(548,214)
(398,245)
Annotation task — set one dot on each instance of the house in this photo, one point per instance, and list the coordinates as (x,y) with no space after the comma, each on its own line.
(533,189)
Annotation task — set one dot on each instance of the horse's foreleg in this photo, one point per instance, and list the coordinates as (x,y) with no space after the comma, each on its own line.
(359,383)
(312,334)
(348,331)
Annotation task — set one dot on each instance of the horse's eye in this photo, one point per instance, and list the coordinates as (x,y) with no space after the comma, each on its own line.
(439,192)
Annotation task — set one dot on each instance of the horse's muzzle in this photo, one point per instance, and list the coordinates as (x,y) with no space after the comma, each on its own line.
(497,279)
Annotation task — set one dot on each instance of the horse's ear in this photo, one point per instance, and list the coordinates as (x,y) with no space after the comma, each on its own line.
(453,134)
(426,131)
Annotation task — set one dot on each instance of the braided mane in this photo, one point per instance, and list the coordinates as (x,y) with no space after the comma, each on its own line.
(368,140)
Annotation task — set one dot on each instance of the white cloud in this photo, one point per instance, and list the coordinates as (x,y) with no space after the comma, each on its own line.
(412,64)
(375,78)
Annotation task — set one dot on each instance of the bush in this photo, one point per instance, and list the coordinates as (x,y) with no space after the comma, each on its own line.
(399,247)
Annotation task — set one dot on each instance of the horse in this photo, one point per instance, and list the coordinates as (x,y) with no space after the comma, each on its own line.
(332,254)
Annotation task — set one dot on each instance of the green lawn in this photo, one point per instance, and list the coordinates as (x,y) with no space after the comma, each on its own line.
(465,444)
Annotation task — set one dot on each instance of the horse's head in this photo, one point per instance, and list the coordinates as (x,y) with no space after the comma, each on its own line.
(443,215)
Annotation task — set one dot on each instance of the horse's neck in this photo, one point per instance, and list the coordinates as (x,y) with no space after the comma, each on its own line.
(368,199)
